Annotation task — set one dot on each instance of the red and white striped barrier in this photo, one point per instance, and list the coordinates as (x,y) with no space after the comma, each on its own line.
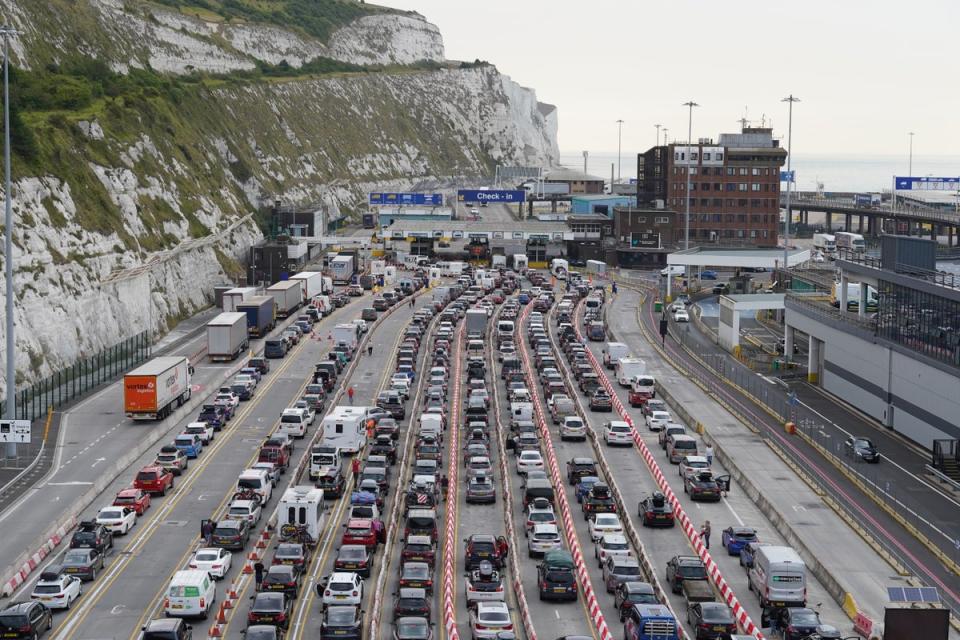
(453,490)
(726,592)
(21,574)
(593,606)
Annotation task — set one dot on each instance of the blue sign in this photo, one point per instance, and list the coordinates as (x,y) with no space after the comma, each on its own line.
(433,199)
(908,183)
(477,195)
(788,176)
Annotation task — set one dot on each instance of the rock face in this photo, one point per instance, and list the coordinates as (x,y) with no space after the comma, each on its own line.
(134,215)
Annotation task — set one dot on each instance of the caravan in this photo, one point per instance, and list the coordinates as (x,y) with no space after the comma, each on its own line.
(301,507)
(345,427)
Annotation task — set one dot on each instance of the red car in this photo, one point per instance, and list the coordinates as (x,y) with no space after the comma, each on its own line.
(418,548)
(154,479)
(360,532)
(134,498)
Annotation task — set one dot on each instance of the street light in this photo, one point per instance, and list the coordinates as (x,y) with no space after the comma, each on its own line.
(658,134)
(686,234)
(11,413)
(619,138)
(910,170)
(786,219)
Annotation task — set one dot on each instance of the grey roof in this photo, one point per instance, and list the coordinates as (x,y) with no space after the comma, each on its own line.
(477,227)
(570,175)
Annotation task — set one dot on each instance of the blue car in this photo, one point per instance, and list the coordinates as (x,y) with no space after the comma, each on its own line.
(584,486)
(189,443)
(736,538)
(523,298)
(747,553)
(708,274)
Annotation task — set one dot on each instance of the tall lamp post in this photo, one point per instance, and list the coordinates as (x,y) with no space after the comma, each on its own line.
(910,170)
(786,219)
(658,134)
(11,412)
(619,146)
(686,233)
(665,130)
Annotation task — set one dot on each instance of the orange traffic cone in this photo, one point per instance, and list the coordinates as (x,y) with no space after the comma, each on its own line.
(221,616)
(261,543)
(248,568)
(253,556)
(215,631)
(227,603)
(233,591)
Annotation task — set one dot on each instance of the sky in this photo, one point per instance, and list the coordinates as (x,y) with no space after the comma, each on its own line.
(866,73)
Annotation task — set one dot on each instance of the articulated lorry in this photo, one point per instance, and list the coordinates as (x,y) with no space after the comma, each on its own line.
(227,336)
(235,296)
(153,390)
(261,315)
(288,296)
(825,243)
(476,323)
(313,283)
(850,241)
(343,267)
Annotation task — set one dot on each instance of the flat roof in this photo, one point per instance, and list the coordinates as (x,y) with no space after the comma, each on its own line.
(737,257)
(506,230)
(600,196)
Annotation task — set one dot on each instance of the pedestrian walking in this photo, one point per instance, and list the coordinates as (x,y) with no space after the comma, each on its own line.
(413,303)
(709,454)
(350,394)
(370,349)
(355,466)
(206,529)
(258,574)
(705,533)
(444,483)
(502,549)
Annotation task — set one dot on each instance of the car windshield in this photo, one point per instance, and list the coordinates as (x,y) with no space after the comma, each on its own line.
(147,476)
(693,571)
(412,630)
(804,617)
(616,546)
(415,570)
(225,530)
(239,511)
(288,551)
(863,442)
(125,499)
(341,616)
(351,552)
(627,570)
(340,586)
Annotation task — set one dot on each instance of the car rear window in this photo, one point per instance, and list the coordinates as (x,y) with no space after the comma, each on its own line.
(184,591)
(692,572)
(46,588)
(560,575)
(13,621)
(147,476)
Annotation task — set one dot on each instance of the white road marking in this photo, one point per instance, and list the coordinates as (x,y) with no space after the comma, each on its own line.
(72,483)
(98,461)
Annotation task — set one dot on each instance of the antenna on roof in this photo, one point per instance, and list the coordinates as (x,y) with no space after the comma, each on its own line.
(744,122)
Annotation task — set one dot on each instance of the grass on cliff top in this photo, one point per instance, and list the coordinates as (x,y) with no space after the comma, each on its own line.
(317,18)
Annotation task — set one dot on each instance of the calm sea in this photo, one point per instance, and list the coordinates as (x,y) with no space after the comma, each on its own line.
(836,172)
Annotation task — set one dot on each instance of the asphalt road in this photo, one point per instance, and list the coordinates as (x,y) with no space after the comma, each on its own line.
(932,506)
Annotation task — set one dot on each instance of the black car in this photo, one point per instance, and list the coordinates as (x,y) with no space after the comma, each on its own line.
(631,593)
(332,483)
(713,620)
(231,534)
(411,602)
(91,535)
(260,364)
(798,622)
(579,467)
(655,511)
(284,578)
(270,608)
(393,404)
(556,582)
(263,632)
(354,557)
(173,629)
(384,446)
(25,620)
(293,553)
(214,415)
(341,622)
(599,500)
(82,562)
(861,449)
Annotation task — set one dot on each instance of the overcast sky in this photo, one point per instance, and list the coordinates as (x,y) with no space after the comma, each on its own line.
(867,73)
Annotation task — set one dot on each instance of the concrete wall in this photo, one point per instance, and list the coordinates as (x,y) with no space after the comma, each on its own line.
(915,399)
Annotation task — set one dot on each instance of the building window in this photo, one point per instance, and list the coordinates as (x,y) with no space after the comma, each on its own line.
(704,202)
(662,220)
(741,186)
(704,217)
(717,217)
(719,157)
(741,217)
(755,171)
(718,202)
(728,217)
(743,171)
(766,172)
(694,155)
(731,171)
(742,202)
(764,233)
(728,233)
(731,186)
(755,186)
(729,202)
(755,219)
(740,233)
(755,203)
(706,156)
(766,186)
(753,233)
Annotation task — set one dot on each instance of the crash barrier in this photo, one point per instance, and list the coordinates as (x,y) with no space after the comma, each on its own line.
(453,490)
(31,563)
(739,611)
(593,606)
(393,522)
(643,557)
(516,582)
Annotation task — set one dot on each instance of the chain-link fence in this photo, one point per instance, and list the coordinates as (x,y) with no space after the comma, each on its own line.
(72,382)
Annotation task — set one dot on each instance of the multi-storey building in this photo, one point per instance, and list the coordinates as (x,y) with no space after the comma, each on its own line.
(734,186)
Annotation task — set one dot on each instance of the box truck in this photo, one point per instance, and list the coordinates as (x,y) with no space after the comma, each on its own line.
(498,261)
(520,263)
(261,315)
(559,268)
(595,266)
(626,369)
(850,241)
(825,242)
(235,296)
(227,336)
(476,323)
(312,283)
(343,268)
(346,334)
(287,295)
(613,352)
(153,390)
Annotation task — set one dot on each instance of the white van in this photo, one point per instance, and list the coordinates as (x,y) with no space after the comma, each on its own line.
(431,424)
(293,422)
(505,329)
(256,480)
(475,348)
(779,577)
(520,411)
(190,594)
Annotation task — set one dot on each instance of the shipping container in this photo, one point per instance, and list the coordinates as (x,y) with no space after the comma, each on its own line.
(261,314)
(233,297)
(288,296)
(227,336)
(153,390)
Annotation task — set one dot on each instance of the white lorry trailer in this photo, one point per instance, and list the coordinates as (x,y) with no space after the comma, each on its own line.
(825,242)
(343,268)
(227,336)
(613,352)
(476,323)
(312,283)
(235,296)
(287,294)
(346,334)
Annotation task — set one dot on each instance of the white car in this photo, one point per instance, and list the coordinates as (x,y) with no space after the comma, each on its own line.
(56,590)
(308,410)
(482,586)
(488,619)
(543,538)
(617,432)
(691,464)
(528,460)
(248,510)
(341,587)
(611,544)
(603,523)
(681,315)
(202,429)
(361,325)
(658,420)
(119,520)
(540,511)
(229,398)
(214,561)
(573,428)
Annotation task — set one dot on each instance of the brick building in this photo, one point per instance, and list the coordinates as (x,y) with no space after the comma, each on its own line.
(644,236)
(734,186)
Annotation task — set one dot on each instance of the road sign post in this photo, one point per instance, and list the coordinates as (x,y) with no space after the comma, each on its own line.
(16,431)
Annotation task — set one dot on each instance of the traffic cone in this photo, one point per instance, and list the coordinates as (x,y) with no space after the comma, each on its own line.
(227,603)
(248,568)
(215,631)
(221,616)
(261,543)
(253,556)
(233,591)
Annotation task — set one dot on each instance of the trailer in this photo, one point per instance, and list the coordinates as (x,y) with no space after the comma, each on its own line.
(233,297)
(288,296)
(346,428)
(261,315)
(850,241)
(498,261)
(153,390)
(559,268)
(301,506)
(596,267)
(312,283)
(227,336)
(476,323)
(825,242)
(343,268)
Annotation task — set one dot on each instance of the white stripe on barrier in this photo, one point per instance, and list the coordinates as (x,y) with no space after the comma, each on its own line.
(453,488)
